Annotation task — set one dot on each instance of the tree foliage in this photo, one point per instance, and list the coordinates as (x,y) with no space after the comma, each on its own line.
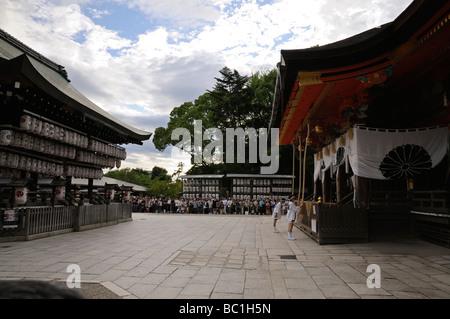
(157,181)
(235,101)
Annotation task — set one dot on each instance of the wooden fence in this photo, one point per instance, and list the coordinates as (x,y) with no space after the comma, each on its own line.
(29,223)
(333,224)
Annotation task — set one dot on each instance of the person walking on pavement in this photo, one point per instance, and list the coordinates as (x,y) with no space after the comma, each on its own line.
(292,211)
(277,214)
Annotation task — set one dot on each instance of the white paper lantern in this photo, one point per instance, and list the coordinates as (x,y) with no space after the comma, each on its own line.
(37,126)
(39,166)
(51,131)
(60,192)
(25,123)
(21,195)
(34,164)
(45,129)
(65,136)
(22,163)
(57,133)
(6,137)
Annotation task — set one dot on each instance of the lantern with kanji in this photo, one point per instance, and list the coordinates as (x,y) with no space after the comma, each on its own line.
(20,195)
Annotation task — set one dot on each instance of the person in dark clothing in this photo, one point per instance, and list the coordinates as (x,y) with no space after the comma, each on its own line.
(34,289)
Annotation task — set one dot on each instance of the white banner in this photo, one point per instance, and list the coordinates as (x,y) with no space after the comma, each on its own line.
(387,154)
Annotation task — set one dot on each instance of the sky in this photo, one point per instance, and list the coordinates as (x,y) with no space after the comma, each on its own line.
(139,59)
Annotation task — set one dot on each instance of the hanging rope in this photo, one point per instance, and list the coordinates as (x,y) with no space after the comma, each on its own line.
(293,168)
(304,165)
(300,167)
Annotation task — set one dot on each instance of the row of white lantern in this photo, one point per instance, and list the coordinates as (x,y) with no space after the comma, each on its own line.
(210,188)
(52,131)
(261,182)
(282,181)
(201,182)
(192,182)
(30,164)
(203,189)
(257,197)
(240,189)
(241,181)
(9,173)
(36,126)
(107,149)
(255,190)
(281,189)
(99,160)
(82,172)
(35,143)
(21,194)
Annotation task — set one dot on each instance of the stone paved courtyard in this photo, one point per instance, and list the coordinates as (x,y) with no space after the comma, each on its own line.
(227,257)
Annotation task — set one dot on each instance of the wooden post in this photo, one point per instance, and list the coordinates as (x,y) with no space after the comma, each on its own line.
(90,189)
(362,191)
(293,168)
(341,183)
(326,186)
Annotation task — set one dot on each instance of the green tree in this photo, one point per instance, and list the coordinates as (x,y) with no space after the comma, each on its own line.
(231,98)
(167,189)
(160,174)
(157,181)
(236,101)
(136,176)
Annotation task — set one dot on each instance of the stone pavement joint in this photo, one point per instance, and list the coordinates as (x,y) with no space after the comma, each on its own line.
(228,256)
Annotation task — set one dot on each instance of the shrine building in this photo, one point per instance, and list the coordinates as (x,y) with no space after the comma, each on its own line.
(373,110)
(51,132)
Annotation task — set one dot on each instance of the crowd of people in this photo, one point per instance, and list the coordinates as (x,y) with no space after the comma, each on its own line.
(203,206)
(268,206)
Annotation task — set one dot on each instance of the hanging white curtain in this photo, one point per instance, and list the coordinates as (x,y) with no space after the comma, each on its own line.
(389,154)
(396,154)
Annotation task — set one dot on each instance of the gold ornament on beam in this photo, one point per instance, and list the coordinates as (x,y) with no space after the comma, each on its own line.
(318,129)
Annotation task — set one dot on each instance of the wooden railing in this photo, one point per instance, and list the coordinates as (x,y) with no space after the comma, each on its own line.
(430,201)
(436,201)
(41,221)
(48,219)
(333,224)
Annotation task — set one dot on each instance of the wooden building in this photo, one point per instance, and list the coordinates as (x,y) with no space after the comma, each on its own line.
(49,130)
(202,186)
(237,186)
(373,109)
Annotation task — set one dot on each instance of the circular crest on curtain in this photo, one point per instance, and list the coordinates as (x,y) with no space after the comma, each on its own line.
(405,161)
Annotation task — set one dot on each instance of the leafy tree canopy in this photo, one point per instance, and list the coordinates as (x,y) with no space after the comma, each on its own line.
(236,101)
(157,181)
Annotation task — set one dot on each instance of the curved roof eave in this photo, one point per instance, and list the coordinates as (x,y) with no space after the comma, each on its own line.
(57,86)
(368,48)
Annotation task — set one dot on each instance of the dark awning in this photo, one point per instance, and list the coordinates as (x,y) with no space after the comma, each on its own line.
(55,85)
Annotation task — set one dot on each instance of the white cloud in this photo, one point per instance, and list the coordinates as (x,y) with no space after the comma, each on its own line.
(97,14)
(177,59)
